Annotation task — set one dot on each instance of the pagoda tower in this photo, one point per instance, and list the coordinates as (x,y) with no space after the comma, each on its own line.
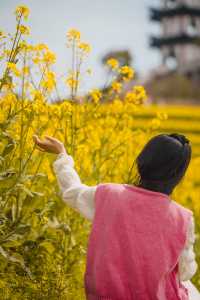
(179,41)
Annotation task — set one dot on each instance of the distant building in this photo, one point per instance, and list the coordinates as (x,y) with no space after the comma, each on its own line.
(179,41)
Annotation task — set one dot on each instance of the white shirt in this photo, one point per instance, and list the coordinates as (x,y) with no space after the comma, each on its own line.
(80,197)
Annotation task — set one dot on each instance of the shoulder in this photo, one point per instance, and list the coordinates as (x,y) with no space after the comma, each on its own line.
(109,187)
(182,209)
(183,216)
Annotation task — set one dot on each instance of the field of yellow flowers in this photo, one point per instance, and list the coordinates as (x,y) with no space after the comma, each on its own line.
(42,241)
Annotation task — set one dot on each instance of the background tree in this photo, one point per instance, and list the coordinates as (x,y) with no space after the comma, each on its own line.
(124,57)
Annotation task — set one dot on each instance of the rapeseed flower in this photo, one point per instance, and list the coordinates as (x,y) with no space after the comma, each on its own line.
(49,57)
(13,68)
(86,48)
(23,11)
(96,95)
(126,72)
(112,63)
(73,34)
(24,29)
(116,87)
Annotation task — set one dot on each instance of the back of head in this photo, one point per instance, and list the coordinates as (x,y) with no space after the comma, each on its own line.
(163,162)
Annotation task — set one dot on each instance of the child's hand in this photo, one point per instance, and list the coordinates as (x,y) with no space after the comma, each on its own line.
(50,144)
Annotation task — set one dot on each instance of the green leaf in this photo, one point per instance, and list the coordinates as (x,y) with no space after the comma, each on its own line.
(7,174)
(8,148)
(23,228)
(23,188)
(15,258)
(48,246)
(37,194)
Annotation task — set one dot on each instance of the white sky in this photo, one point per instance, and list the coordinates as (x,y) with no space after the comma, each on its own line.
(105,24)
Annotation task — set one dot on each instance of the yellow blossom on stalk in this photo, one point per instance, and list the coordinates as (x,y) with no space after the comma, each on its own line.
(73,34)
(23,11)
(49,82)
(37,95)
(95,95)
(40,47)
(13,68)
(140,94)
(36,60)
(24,46)
(49,57)
(24,29)
(112,63)
(117,105)
(116,86)
(39,103)
(6,52)
(8,99)
(86,48)
(130,97)
(29,47)
(26,70)
(66,106)
(71,82)
(126,72)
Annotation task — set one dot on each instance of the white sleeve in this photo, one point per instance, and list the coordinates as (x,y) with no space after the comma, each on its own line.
(74,193)
(187,262)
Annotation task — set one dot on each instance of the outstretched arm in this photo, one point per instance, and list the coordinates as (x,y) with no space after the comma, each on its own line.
(74,193)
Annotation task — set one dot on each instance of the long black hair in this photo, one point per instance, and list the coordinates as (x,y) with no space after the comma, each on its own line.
(163,162)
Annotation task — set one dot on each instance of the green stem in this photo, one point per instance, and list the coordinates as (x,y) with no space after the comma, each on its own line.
(11,53)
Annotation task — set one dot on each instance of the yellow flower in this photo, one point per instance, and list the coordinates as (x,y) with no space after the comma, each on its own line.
(113,63)
(95,95)
(40,47)
(72,82)
(73,34)
(24,29)
(130,97)
(24,46)
(37,95)
(116,86)
(136,96)
(126,72)
(66,107)
(26,70)
(36,60)
(49,82)
(23,11)
(140,94)
(117,105)
(49,57)
(85,47)
(13,68)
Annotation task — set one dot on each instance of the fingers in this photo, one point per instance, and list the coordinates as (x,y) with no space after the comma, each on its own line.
(38,142)
(50,138)
(35,137)
(41,149)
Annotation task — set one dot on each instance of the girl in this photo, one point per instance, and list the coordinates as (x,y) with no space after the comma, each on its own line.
(141,242)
